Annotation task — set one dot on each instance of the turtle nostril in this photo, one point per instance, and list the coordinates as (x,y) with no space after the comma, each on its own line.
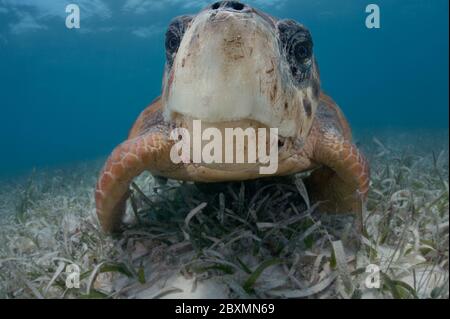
(234,5)
(216,5)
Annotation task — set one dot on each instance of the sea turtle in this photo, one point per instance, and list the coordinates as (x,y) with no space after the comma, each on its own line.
(233,66)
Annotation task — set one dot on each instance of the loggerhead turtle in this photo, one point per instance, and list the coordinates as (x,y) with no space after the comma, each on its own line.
(233,66)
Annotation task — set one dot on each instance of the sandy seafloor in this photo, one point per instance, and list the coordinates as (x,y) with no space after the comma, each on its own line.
(252,240)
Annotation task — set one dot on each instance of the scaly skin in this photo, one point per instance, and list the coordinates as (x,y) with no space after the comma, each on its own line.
(344,176)
(128,160)
(341,174)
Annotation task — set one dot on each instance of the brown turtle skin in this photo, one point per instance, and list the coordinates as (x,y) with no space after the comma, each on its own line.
(340,175)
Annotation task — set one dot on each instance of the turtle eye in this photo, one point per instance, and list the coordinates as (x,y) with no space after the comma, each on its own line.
(174,35)
(302,52)
(297,47)
(172,42)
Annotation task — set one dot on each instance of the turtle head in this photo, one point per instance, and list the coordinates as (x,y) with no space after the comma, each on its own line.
(232,62)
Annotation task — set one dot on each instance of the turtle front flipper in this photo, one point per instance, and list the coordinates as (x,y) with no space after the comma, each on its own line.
(342,181)
(150,151)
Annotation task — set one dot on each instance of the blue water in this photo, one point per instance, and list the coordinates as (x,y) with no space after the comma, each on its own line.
(72,95)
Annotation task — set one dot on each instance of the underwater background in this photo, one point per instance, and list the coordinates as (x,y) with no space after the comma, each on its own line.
(72,95)
(68,97)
